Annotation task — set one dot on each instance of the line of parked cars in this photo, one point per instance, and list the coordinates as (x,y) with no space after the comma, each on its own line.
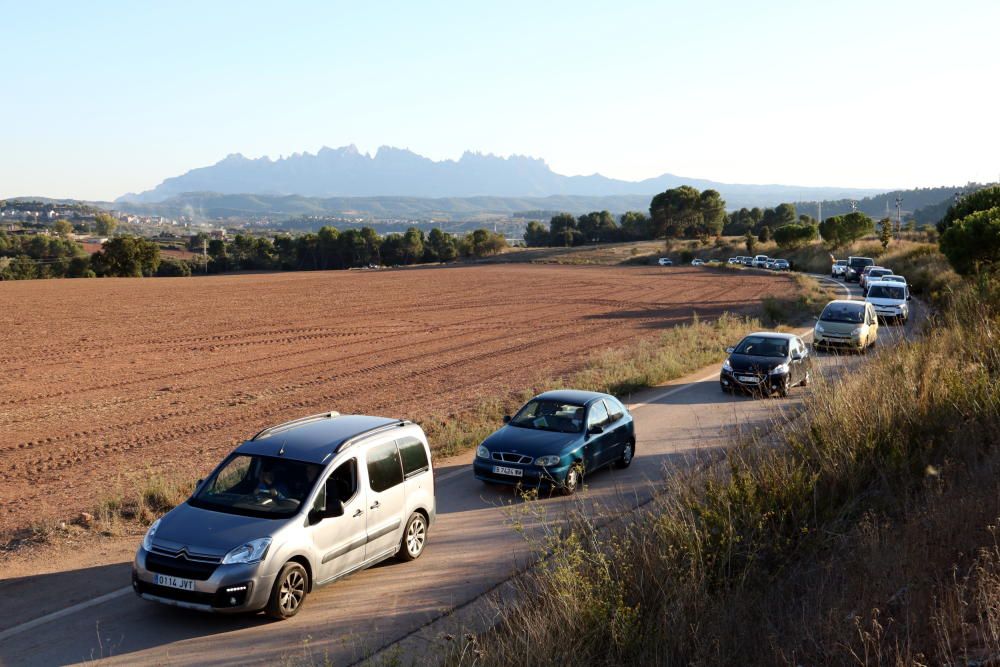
(304,503)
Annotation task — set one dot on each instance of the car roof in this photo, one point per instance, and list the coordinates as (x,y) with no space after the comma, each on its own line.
(846,302)
(314,439)
(773,334)
(572,396)
(892,283)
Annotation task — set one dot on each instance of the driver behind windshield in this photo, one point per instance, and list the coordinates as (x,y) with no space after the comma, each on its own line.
(267,486)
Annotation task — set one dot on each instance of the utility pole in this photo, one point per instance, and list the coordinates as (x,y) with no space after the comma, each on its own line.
(854,206)
(899,218)
(204,253)
(819,211)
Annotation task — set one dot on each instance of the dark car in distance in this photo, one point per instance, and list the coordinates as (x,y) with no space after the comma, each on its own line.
(766,363)
(557,438)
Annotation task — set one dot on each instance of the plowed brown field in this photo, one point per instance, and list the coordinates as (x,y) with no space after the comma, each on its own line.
(98,377)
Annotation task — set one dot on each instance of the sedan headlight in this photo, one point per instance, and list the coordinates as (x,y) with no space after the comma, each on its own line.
(780,369)
(482,452)
(251,552)
(856,332)
(546,461)
(726,366)
(147,541)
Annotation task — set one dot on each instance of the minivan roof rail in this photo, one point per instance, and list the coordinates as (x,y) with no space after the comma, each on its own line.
(354,439)
(277,428)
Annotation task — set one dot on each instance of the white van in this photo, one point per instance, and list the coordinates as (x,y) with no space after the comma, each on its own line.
(890,299)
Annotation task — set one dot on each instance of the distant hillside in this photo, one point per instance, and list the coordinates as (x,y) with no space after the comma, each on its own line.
(209,205)
(913,203)
(398,173)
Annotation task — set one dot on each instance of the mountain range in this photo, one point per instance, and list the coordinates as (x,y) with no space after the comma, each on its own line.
(394,172)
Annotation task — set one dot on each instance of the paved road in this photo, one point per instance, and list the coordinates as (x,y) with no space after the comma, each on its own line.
(472,547)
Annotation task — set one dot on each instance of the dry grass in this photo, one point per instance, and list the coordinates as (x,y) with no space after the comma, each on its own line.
(867,537)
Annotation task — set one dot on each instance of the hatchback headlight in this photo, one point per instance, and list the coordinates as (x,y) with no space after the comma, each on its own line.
(147,541)
(546,461)
(726,366)
(251,552)
(780,369)
(482,452)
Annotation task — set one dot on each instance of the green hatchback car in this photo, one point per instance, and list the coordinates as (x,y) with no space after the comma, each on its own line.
(846,325)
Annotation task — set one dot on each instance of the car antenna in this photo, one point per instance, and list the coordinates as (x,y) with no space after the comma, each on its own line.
(281,452)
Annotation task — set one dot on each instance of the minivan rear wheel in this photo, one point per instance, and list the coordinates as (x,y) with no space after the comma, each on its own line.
(414,538)
(289,592)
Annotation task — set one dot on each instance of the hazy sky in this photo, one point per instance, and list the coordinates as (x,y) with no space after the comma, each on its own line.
(101,98)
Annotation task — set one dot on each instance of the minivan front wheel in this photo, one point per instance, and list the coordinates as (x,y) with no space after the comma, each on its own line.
(289,592)
(414,538)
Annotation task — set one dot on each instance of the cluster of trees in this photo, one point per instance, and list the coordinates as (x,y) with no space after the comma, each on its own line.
(330,248)
(684,212)
(24,257)
(593,227)
(970,232)
(842,230)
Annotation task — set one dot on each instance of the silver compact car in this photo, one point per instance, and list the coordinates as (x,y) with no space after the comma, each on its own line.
(299,505)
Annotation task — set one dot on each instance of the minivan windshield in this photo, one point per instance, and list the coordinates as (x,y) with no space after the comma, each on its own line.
(550,415)
(260,486)
(886,292)
(843,312)
(763,346)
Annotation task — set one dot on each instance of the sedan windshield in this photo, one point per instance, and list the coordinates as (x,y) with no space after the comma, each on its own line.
(549,415)
(763,346)
(261,486)
(843,312)
(886,292)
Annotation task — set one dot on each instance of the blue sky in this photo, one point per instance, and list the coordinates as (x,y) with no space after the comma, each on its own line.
(107,97)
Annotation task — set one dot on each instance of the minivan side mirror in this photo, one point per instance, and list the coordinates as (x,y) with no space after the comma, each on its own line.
(506,419)
(334,508)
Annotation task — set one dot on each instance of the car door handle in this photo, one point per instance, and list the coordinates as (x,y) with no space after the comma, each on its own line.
(375,506)
(356,514)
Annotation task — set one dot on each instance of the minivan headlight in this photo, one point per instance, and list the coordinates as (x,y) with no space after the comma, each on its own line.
(856,332)
(546,461)
(251,552)
(482,452)
(147,541)
(819,328)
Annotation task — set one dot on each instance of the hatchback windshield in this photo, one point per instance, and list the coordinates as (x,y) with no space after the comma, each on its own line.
(549,415)
(261,486)
(843,312)
(763,346)
(886,292)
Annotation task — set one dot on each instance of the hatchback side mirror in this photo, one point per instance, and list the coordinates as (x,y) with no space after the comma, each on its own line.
(729,350)
(506,419)
(595,429)
(796,356)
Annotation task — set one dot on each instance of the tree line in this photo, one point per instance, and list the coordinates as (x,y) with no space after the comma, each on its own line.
(42,256)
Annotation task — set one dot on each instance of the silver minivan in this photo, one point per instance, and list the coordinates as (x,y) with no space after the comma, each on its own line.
(299,505)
